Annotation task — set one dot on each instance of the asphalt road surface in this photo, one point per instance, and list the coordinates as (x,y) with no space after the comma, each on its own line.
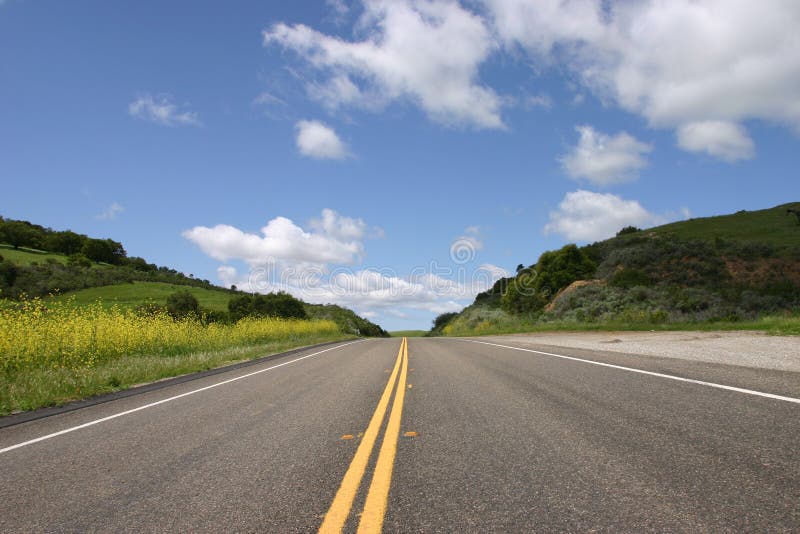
(432,435)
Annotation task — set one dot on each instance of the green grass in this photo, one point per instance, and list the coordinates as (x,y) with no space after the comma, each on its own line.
(773,226)
(36,388)
(26,256)
(132,295)
(408,333)
(774,325)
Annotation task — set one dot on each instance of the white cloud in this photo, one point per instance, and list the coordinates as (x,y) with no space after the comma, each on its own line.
(724,140)
(110,212)
(161,110)
(586,216)
(464,248)
(603,159)
(339,7)
(316,140)
(673,62)
(337,240)
(339,227)
(428,52)
(265,98)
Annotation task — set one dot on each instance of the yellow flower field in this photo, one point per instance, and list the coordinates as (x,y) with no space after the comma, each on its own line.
(59,335)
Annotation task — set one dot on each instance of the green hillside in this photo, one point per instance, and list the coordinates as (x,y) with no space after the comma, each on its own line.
(773,226)
(24,256)
(134,294)
(39,262)
(739,269)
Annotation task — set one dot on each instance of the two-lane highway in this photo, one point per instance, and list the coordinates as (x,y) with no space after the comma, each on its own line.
(423,435)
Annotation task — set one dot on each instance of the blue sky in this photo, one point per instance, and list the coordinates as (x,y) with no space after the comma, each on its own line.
(371,138)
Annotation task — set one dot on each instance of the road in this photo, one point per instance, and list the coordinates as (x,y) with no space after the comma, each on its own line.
(428,435)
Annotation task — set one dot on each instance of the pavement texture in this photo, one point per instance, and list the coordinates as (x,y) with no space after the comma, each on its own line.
(502,440)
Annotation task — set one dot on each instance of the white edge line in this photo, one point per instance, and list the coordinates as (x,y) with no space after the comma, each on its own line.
(162,401)
(641,371)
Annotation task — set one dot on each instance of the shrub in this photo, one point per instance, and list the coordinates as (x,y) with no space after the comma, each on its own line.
(628,278)
(628,230)
(182,304)
(271,305)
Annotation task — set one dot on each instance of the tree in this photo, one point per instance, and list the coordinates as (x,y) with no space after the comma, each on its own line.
(531,289)
(279,304)
(240,306)
(558,269)
(182,304)
(20,234)
(628,230)
(66,242)
(104,250)
(443,320)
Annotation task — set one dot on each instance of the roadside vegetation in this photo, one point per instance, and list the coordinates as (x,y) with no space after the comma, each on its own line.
(59,352)
(78,317)
(740,271)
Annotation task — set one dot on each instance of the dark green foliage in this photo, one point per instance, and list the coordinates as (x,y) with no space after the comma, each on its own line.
(558,269)
(441,321)
(103,251)
(278,304)
(240,306)
(79,260)
(67,242)
(346,319)
(628,278)
(628,230)
(181,304)
(523,295)
(491,297)
(21,234)
(531,289)
(8,275)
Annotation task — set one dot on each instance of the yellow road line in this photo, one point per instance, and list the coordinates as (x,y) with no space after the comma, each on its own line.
(343,502)
(378,496)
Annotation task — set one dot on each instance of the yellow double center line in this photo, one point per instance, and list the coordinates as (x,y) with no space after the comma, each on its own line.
(378,494)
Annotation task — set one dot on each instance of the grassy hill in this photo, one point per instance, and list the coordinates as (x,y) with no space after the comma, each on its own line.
(136,293)
(738,270)
(40,262)
(773,226)
(27,256)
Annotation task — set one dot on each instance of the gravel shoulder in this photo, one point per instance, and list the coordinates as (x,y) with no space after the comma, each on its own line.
(748,349)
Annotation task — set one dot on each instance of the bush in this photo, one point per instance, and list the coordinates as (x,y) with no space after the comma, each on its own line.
(628,278)
(279,304)
(182,304)
(628,230)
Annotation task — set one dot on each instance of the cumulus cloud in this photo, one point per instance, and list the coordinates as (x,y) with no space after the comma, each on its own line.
(161,110)
(604,159)
(426,52)
(372,290)
(587,216)
(316,140)
(337,239)
(675,63)
(724,140)
(110,212)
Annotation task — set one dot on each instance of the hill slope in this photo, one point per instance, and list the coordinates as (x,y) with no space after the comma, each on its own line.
(774,226)
(33,264)
(729,268)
